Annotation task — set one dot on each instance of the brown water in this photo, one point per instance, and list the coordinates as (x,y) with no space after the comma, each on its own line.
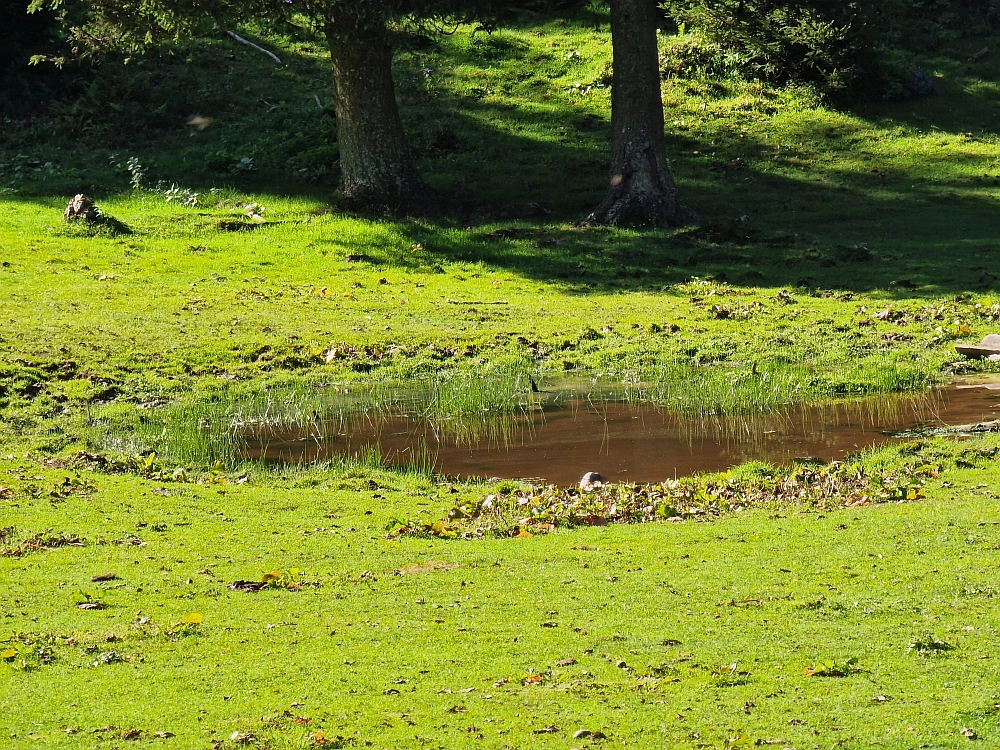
(557,441)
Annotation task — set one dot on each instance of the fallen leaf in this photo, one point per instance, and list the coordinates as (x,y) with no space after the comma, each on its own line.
(194,618)
(966,732)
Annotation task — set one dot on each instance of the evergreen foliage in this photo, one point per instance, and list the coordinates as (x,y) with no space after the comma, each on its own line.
(842,48)
(23,35)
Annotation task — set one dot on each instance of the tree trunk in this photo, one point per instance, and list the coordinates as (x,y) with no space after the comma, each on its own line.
(642,191)
(375,161)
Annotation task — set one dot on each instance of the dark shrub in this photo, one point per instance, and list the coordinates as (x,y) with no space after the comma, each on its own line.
(856,48)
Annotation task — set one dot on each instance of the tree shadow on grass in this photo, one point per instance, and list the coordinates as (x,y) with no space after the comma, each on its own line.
(823,209)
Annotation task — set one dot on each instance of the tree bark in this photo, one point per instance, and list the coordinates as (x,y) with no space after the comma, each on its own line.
(376,163)
(642,190)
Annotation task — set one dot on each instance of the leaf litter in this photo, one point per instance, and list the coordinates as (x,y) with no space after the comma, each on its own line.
(706,497)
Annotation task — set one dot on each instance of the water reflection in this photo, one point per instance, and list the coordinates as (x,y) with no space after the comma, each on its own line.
(559,434)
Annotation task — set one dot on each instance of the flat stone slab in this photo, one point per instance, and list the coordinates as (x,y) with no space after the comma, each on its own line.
(988,347)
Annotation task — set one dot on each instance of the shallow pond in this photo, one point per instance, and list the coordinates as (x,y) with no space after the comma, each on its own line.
(561,433)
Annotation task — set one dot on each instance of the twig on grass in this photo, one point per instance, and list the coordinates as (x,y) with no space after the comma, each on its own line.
(257,47)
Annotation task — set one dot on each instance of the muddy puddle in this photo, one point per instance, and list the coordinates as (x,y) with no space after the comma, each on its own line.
(557,435)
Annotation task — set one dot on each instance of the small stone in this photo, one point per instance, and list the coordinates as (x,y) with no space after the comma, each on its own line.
(991,341)
(589,479)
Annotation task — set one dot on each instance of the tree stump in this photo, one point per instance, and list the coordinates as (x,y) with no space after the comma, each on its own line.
(81,207)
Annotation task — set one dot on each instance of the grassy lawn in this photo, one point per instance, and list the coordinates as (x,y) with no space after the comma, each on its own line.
(684,634)
(842,253)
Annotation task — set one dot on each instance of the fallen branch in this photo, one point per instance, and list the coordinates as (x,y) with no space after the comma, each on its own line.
(257,47)
(460,302)
(967,429)
(975,428)
(977,56)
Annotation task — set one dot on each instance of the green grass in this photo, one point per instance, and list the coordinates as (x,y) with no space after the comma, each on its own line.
(843,253)
(774,594)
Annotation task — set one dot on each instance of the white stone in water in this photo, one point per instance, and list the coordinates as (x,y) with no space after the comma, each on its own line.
(991,341)
(591,477)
